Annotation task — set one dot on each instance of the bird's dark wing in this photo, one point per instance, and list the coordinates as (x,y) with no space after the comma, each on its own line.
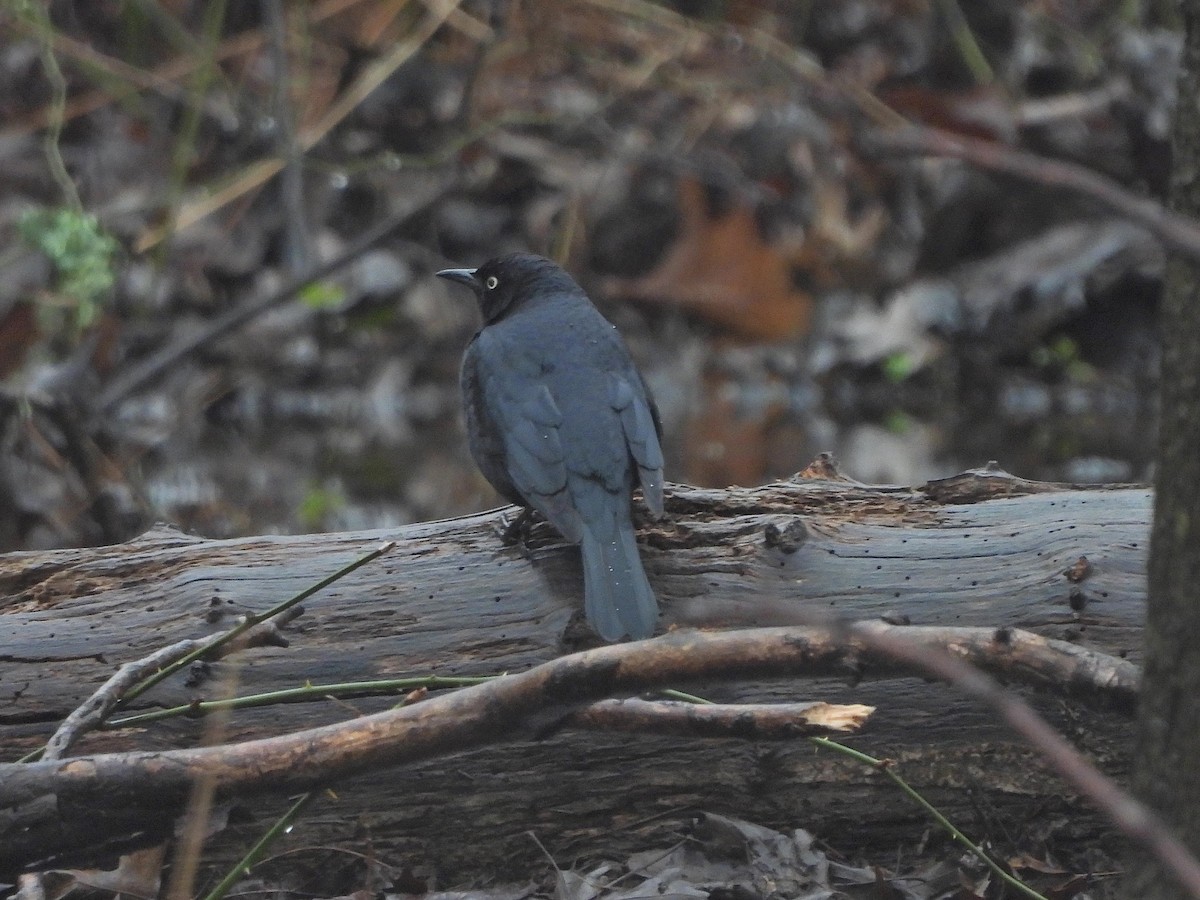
(640,426)
(484,436)
(531,439)
(524,421)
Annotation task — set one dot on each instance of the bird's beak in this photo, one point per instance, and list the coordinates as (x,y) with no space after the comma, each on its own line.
(462,276)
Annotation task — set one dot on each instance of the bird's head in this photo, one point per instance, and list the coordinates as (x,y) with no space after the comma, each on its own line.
(505,282)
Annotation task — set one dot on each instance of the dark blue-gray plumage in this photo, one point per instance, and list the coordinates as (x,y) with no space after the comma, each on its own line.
(559,419)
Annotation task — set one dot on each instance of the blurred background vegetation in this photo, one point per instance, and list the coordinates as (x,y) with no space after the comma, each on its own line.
(170,171)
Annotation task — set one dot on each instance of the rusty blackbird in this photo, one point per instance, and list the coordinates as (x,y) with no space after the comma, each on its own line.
(560,420)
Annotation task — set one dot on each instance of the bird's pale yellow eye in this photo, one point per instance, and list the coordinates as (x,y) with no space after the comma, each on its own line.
(492,282)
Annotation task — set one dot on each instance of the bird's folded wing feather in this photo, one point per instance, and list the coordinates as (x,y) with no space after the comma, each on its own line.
(641,435)
(529,419)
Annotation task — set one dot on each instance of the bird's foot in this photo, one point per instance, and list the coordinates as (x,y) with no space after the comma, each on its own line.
(517,530)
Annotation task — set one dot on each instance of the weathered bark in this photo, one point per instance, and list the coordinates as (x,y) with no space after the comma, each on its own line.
(1167,773)
(983,550)
(566,693)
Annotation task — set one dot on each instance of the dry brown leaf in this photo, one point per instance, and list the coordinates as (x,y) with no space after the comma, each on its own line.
(720,268)
(19,331)
(985,111)
(725,445)
(139,874)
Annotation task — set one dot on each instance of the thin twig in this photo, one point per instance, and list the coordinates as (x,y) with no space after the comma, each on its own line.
(796,60)
(192,827)
(308,694)
(93,712)
(256,853)
(748,721)
(161,78)
(234,635)
(1177,232)
(495,711)
(184,148)
(1138,821)
(298,239)
(964,40)
(909,791)
(37,18)
(372,77)
(164,359)
(936,814)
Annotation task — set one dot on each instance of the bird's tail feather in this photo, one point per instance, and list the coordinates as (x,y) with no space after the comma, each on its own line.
(618,599)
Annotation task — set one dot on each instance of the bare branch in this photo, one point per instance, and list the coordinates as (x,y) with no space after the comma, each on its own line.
(746,721)
(1177,232)
(93,711)
(1129,814)
(152,785)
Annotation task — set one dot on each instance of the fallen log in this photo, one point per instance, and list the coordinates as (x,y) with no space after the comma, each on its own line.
(984,550)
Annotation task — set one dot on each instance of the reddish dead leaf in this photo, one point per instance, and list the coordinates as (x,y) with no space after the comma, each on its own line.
(730,444)
(969,889)
(362,25)
(1070,888)
(1029,863)
(983,112)
(18,332)
(884,889)
(139,874)
(721,268)
(725,446)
